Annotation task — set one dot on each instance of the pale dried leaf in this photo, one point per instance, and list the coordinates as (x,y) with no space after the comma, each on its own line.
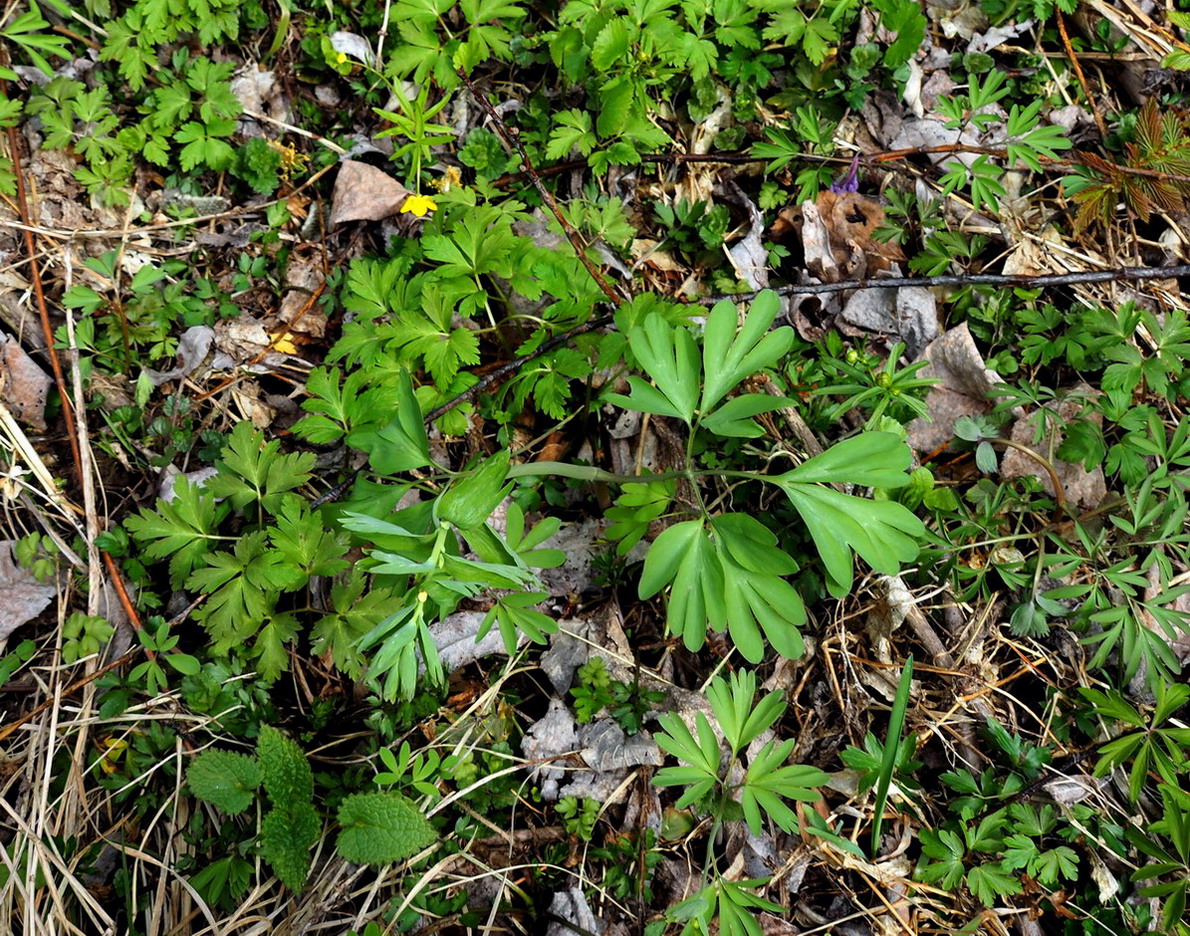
(748,256)
(352,44)
(303,276)
(957,17)
(1067,791)
(551,737)
(605,746)
(193,348)
(964,390)
(363,193)
(997,36)
(22,597)
(23,385)
(571,906)
(454,636)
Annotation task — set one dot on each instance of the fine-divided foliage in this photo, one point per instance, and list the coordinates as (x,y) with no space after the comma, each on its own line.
(727,790)
(191,146)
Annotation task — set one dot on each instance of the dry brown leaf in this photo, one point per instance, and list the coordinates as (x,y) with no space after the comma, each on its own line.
(966,383)
(22,597)
(23,385)
(837,236)
(303,276)
(1084,488)
(363,193)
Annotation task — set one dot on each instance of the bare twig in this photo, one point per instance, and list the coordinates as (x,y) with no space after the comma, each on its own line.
(968,279)
(512,141)
(1078,71)
(38,290)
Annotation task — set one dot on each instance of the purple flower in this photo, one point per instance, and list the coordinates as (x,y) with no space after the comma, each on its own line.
(849,182)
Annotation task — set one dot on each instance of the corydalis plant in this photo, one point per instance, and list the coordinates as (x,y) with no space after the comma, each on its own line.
(727,570)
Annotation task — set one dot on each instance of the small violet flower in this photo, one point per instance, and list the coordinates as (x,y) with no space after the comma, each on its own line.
(849,182)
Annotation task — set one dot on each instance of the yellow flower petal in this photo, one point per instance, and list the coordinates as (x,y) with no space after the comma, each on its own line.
(420,205)
(341,57)
(282,342)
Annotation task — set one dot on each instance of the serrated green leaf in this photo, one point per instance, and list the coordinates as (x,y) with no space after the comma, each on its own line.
(287,776)
(402,444)
(379,828)
(286,837)
(225,779)
(185,529)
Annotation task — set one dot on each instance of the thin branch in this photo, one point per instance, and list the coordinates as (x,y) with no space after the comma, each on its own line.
(967,279)
(39,292)
(513,142)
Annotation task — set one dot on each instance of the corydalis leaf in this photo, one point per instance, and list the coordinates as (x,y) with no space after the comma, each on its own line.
(883,533)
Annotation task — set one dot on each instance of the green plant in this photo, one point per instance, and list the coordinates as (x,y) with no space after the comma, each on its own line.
(83,636)
(717,788)
(579,816)
(377,828)
(892,751)
(877,386)
(725,907)
(1155,745)
(120,331)
(36,552)
(693,226)
(1026,141)
(765,784)
(627,703)
(1168,842)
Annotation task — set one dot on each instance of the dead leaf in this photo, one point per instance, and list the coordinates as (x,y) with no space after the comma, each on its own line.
(554,735)
(363,193)
(837,236)
(605,746)
(23,385)
(353,44)
(644,251)
(1084,488)
(22,597)
(966,384)
(573,914)
(957,17)
(454,636)
(748,255)
(193,348)
(303,276)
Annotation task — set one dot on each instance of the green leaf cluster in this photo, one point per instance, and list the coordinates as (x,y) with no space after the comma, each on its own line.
(767,781)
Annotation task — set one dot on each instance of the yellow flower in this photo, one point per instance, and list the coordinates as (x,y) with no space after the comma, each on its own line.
(341,57)
(420,205)
(449,180)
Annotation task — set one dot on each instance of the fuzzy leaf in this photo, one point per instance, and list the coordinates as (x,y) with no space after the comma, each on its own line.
(287,776)
(379,828)
(286,836)
(225,779)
